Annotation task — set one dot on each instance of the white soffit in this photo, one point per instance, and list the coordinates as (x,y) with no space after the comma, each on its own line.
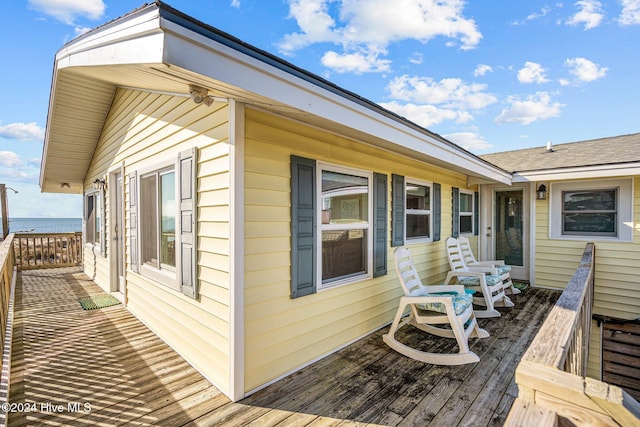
(585,172)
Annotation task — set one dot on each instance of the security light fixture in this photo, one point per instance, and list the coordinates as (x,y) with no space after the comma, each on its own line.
(200,95)
(99,184)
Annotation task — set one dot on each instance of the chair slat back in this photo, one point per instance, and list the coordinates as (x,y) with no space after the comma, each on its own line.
(407,271)
(467,253)
(454,255)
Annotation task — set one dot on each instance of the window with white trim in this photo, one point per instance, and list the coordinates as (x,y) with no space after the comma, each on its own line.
(465,218)
(418,218)
(93,218)
(158,219)
(346,229)
(601,210)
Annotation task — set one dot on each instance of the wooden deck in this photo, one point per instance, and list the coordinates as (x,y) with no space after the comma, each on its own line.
(109,363)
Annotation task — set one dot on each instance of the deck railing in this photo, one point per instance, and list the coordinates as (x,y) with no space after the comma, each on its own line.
(7,284)
(48,250)
(552,387)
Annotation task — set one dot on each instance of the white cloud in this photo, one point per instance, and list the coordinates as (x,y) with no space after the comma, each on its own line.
(426,115)
(68,10)
(532,72)
(482,69)
(22,132)
(371,25)
(630,14)
(235,3)
(416,58)
(451,92)
(526,111)
(533,16)
(590,14)
(78,31)
(469,140)
(358,63)
(9,159)
(585,70)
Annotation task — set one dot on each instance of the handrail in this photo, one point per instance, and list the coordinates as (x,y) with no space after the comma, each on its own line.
(7,281)
(551,374)
(47,250)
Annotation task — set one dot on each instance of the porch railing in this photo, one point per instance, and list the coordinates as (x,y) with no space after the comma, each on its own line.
(7,284)
(552,387)
(48,250)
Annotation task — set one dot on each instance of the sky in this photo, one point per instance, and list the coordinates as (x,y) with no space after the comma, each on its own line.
(490,76)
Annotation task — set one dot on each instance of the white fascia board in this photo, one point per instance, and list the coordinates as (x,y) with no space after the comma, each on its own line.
(135,39)
(586,172)
(200,54)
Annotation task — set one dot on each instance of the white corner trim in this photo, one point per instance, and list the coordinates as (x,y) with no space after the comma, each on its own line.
(236,250)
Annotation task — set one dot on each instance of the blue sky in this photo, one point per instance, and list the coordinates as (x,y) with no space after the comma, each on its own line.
(490,76)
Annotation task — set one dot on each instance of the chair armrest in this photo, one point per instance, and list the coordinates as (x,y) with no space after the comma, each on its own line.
(432,289)
(447,300)
(489,264)
(452,274)
(488,270)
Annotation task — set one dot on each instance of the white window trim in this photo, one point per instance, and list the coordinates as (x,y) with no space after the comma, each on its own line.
(624,204)
(320,167)
(165,275)
(467,213)
(418,240)
(95,247)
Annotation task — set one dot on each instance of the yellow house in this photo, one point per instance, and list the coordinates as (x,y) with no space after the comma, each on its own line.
(244,209)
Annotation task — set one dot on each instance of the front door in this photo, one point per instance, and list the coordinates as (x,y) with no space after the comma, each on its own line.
(507,228)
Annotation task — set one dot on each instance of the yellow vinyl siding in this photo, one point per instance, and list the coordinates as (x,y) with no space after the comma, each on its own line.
(144,130)
(617,268)
(283,334)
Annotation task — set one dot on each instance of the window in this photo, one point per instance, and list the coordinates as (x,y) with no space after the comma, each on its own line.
(158,219)
(465,219)
(339,225)
(599,210)
(93,218)
(591,212)
(345,225)
(418,224)
(162,226)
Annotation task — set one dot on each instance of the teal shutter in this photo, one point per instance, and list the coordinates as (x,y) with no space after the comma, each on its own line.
(133,221)
(379,224)
(397,210)
(437,212)
(187,196)
(303,227)
(455,209)
(476,213)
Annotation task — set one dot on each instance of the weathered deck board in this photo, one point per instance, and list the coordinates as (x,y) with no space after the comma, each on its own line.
(108,359)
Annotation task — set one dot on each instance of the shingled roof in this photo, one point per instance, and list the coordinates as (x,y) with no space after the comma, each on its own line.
(603,151)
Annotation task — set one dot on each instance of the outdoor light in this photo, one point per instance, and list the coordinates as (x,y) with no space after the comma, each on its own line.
(99,184)
(200,95)
(541,194)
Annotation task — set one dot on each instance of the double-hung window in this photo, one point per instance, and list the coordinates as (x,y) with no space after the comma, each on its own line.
(93,218)
(465,218)
(345,238)
(418,218)
(158,219)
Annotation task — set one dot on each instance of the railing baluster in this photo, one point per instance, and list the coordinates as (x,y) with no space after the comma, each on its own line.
(47,250)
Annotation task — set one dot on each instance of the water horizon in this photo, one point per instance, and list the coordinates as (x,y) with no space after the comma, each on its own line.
(44,225)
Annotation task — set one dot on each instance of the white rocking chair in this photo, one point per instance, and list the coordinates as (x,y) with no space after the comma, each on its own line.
(501,268)
(428,310)
(485,280)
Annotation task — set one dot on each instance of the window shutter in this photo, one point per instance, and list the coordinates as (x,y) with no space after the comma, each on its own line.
(303,227)
(455,209)
(437,209)
(476,212)
(187,169)
(133,221)
(397,210)
(379,224)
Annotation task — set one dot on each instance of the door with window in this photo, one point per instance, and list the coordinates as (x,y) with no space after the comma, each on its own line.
(506,228)
(117,231)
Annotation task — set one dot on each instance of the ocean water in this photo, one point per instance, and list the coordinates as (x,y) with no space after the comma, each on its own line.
(44,225)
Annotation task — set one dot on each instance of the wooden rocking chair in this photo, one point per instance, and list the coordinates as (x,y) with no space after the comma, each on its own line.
(503,270)
(428,309)
(485,280)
